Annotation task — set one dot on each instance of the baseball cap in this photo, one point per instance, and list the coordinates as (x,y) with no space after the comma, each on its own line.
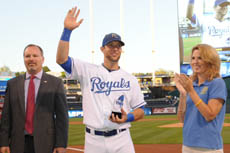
(218,2)
(112,37)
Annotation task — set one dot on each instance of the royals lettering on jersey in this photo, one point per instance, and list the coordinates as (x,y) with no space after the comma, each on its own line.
(215,31)
(100,86)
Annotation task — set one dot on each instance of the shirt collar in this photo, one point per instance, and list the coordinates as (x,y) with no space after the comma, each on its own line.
(38,75)
(109,69)
(195,83)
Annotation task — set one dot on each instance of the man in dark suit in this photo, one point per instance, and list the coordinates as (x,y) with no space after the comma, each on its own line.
(34,127)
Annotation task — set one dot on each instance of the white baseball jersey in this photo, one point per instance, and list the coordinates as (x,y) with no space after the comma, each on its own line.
(100,89)
(216,33)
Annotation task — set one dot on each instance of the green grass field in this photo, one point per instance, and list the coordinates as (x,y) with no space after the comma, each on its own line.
(188,44)
(145,132)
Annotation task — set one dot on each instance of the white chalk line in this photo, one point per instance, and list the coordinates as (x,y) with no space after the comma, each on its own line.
(76,149)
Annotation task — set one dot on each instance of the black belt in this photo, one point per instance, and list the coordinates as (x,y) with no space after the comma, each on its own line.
(28,136)
(105,133)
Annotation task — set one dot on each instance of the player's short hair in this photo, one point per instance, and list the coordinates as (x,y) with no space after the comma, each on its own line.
(211,58)
(33,45)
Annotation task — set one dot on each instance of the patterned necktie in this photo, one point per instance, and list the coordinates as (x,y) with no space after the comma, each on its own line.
(30,106)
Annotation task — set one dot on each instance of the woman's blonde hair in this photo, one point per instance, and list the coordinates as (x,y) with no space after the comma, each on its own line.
(211,59)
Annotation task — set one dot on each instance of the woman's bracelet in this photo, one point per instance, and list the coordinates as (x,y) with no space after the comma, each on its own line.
(197,104)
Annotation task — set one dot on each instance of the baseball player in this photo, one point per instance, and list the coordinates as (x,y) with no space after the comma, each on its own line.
(215,29)
(109,93)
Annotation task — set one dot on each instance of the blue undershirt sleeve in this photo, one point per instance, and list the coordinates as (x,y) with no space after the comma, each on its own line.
(67,66)
(142,107)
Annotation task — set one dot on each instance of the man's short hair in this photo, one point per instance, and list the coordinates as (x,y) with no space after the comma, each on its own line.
(33,45)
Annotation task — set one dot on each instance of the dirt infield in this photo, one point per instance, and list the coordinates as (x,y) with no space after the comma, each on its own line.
(148,148)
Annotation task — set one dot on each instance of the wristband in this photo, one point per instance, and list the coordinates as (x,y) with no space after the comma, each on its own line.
(130,117)
(191,1)
(67,66)
(66,34)
(197,104)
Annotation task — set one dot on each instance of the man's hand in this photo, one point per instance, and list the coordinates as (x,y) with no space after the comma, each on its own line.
(71,19)
(59,150)
(116,119)
(5,149)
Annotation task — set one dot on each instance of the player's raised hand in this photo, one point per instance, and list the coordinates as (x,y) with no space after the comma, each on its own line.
(116,119)
(71,19)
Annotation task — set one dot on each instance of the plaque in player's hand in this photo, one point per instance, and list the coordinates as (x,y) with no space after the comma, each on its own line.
(117,105)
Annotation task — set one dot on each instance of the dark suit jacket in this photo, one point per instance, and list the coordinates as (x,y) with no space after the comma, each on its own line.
(50,118)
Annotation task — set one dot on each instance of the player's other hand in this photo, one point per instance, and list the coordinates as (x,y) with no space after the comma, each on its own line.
(71,19)
(116,119)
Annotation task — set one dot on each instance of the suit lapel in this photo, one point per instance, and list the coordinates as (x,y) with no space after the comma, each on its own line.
(42,88)
(21,91)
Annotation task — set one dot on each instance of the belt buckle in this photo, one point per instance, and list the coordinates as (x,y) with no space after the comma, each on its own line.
(110,133)
(106,133)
